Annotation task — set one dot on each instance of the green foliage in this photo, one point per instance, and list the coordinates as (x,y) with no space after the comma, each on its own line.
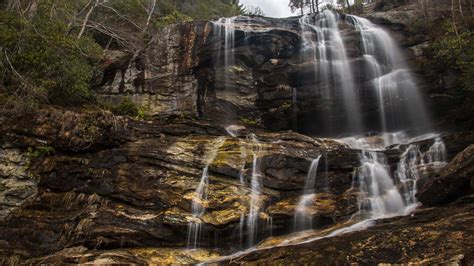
(166,12)
(249,121)
(457,51)
(142,114)
(14,106)
(287,105)
(207,9)
(40,151)
(126,107)
(174,17)
(40,60)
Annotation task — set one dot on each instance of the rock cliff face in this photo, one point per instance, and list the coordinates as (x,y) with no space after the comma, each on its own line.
(88,186)
(111,183)
(251,67)
(245,68)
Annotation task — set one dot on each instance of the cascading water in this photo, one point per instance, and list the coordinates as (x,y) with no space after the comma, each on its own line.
(252,220)
(225,28)
(414,164)
(201,194)
(380,197)
(294,105)
(383,195)
(303,220)
(333,66)
(400,103)
(250,227)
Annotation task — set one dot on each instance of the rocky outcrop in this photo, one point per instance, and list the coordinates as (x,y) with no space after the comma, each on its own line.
(17,184)
(430,236)
(99,182)
(454,181)
(433,236)
(107,182)
(248,70)
(160,77)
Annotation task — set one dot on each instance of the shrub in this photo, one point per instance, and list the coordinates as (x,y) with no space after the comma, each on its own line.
(249,121)
(457,51)
(126,107)
(174,17)
(40,60)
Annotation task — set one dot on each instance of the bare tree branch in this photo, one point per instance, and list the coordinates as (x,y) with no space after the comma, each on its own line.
(150,14)
(89,13)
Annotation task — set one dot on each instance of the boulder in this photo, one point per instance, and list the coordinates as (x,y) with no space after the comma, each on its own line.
(453,182)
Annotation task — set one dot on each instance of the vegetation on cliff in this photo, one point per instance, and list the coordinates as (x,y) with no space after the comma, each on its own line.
(51,51)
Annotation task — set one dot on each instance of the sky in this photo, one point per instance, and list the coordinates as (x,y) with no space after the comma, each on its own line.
(272,8)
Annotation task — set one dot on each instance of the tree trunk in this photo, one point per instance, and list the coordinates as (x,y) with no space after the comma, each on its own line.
(13,5)
(454,18)
(424,9)
(86,19)
(150,15)
(460,10)
(32,9)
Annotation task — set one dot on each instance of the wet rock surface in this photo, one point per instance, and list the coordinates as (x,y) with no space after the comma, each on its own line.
(91,187)
(256,78)
(436,235)
(454,181)
(133,184)
(17,184)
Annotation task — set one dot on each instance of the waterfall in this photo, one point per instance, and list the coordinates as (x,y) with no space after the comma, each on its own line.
(407,172)
(414,164)
(302,219)
(381,193)
(437,152)
(255,201)
(201,195)
(399,100)
(333,66)
(294,105)
(225,28)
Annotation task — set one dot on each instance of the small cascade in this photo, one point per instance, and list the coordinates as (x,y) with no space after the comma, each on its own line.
(294,105)
(437,152)
(225,29)
(384,195)
(414,164)
(251,229)
(255,202)
(379,195)
(303,220)
(333,66)
(234,131)
(400,103)
(407,172)
(201,195)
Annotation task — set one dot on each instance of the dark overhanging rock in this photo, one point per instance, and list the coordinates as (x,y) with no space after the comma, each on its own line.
(454,181)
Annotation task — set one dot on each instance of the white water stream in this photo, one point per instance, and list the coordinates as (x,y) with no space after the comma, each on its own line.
(201,195)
